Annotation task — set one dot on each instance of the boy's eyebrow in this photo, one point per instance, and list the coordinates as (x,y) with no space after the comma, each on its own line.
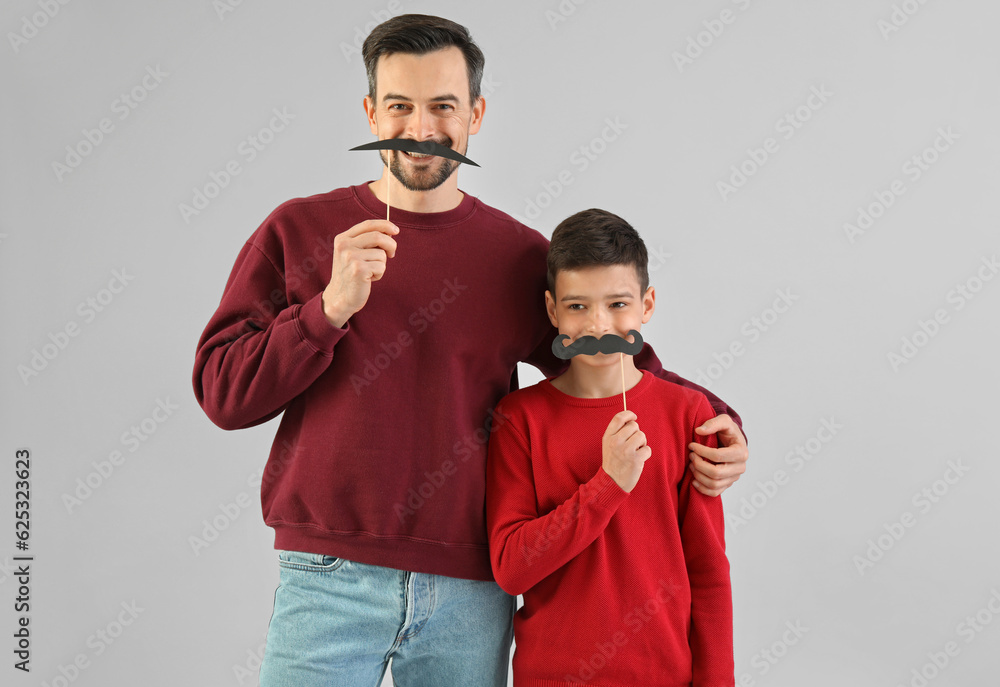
(571,297)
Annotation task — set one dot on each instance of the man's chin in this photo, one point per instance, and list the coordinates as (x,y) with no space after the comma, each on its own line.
(427,179)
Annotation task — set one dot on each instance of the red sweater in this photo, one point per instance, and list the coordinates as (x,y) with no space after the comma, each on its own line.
(619,588)
(380,456)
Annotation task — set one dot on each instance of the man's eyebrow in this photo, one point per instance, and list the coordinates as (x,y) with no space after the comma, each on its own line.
(610,296)
(440,98)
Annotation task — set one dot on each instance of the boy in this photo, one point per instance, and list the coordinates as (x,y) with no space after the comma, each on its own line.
(621,562)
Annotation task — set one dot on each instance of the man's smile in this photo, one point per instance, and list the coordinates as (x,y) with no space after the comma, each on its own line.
(417,156)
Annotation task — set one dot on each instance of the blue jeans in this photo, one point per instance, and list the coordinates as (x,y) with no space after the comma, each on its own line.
(338,622)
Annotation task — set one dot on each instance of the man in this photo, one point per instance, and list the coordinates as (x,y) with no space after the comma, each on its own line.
(386,346)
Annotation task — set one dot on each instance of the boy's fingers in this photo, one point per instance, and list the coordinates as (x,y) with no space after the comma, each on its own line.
(619,421)
(630,434)
(637,440)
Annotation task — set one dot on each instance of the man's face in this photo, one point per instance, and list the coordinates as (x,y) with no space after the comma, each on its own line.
(423,97)
(596,301)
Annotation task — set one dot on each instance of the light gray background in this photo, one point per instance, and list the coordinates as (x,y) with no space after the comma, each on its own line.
(556,72)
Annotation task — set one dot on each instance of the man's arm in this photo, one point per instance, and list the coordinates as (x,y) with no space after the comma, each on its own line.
(714,469)
(646,360)
(257,352)
(717,469)
(703,529)
(261,349)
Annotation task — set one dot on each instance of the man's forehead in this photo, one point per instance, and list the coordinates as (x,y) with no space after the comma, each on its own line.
(436,75)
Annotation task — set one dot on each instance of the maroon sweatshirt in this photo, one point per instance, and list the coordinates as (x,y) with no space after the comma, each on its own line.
(380,455)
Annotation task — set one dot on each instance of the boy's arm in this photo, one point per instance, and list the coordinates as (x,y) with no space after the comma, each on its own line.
(257,353)
(526,547)
(703,539)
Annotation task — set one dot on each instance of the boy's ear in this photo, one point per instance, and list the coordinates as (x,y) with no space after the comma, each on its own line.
(550,308)
(648,304)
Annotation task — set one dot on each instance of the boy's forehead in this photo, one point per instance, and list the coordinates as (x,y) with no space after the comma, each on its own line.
(598,281)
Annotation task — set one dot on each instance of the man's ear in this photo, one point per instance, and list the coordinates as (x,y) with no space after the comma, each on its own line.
(478,110)
(369,106)
(550,308)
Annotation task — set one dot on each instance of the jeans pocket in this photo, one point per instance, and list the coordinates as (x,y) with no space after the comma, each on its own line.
(309,562)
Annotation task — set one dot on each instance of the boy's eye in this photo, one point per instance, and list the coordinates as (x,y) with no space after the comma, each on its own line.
(575,306)
(619,304)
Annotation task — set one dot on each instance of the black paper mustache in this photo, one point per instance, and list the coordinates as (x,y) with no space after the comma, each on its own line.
(591,345)
(411,146)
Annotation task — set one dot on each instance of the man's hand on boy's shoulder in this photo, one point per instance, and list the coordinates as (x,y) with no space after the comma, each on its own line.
(716,469)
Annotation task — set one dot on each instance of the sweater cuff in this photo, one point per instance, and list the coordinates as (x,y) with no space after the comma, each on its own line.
(315,329)
(607,492)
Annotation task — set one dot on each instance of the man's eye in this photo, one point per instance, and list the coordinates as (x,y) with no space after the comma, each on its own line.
(619,304)
(575,306)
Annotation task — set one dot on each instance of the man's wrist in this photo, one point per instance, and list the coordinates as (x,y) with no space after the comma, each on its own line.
(334,314)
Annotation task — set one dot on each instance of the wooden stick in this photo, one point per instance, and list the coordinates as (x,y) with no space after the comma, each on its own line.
(623,380)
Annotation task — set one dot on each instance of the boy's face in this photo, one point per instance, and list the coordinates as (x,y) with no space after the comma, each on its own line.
(597,301)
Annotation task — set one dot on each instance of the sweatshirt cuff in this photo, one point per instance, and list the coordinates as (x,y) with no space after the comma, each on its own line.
(607,492)
(315,329)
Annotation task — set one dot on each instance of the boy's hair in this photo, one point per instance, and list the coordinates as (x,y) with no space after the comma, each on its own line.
(592,238)
(419,34)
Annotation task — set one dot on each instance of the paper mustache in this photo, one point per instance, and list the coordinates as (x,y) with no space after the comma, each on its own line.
(411,146)
(590,345)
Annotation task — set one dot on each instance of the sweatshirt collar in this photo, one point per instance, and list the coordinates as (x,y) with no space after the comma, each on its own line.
(430,220)
(616,400)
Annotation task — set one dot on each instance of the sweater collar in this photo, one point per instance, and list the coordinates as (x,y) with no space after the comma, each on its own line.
(430,220)
(640,388)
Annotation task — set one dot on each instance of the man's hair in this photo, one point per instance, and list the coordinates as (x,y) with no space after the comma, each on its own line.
(593,238)
(419,34)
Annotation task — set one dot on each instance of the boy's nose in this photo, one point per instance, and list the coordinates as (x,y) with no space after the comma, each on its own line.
(599,324)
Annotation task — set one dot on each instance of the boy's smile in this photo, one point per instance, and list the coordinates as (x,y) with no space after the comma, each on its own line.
(596,301)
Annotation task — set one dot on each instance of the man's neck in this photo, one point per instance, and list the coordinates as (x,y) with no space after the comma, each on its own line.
(441,199)
(586,381)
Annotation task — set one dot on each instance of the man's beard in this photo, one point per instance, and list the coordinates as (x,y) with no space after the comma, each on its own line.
(423,181)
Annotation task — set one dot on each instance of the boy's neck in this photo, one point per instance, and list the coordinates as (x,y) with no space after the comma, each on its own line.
(588,381)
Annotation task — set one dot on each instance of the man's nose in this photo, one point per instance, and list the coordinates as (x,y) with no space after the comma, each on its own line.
(420,125)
